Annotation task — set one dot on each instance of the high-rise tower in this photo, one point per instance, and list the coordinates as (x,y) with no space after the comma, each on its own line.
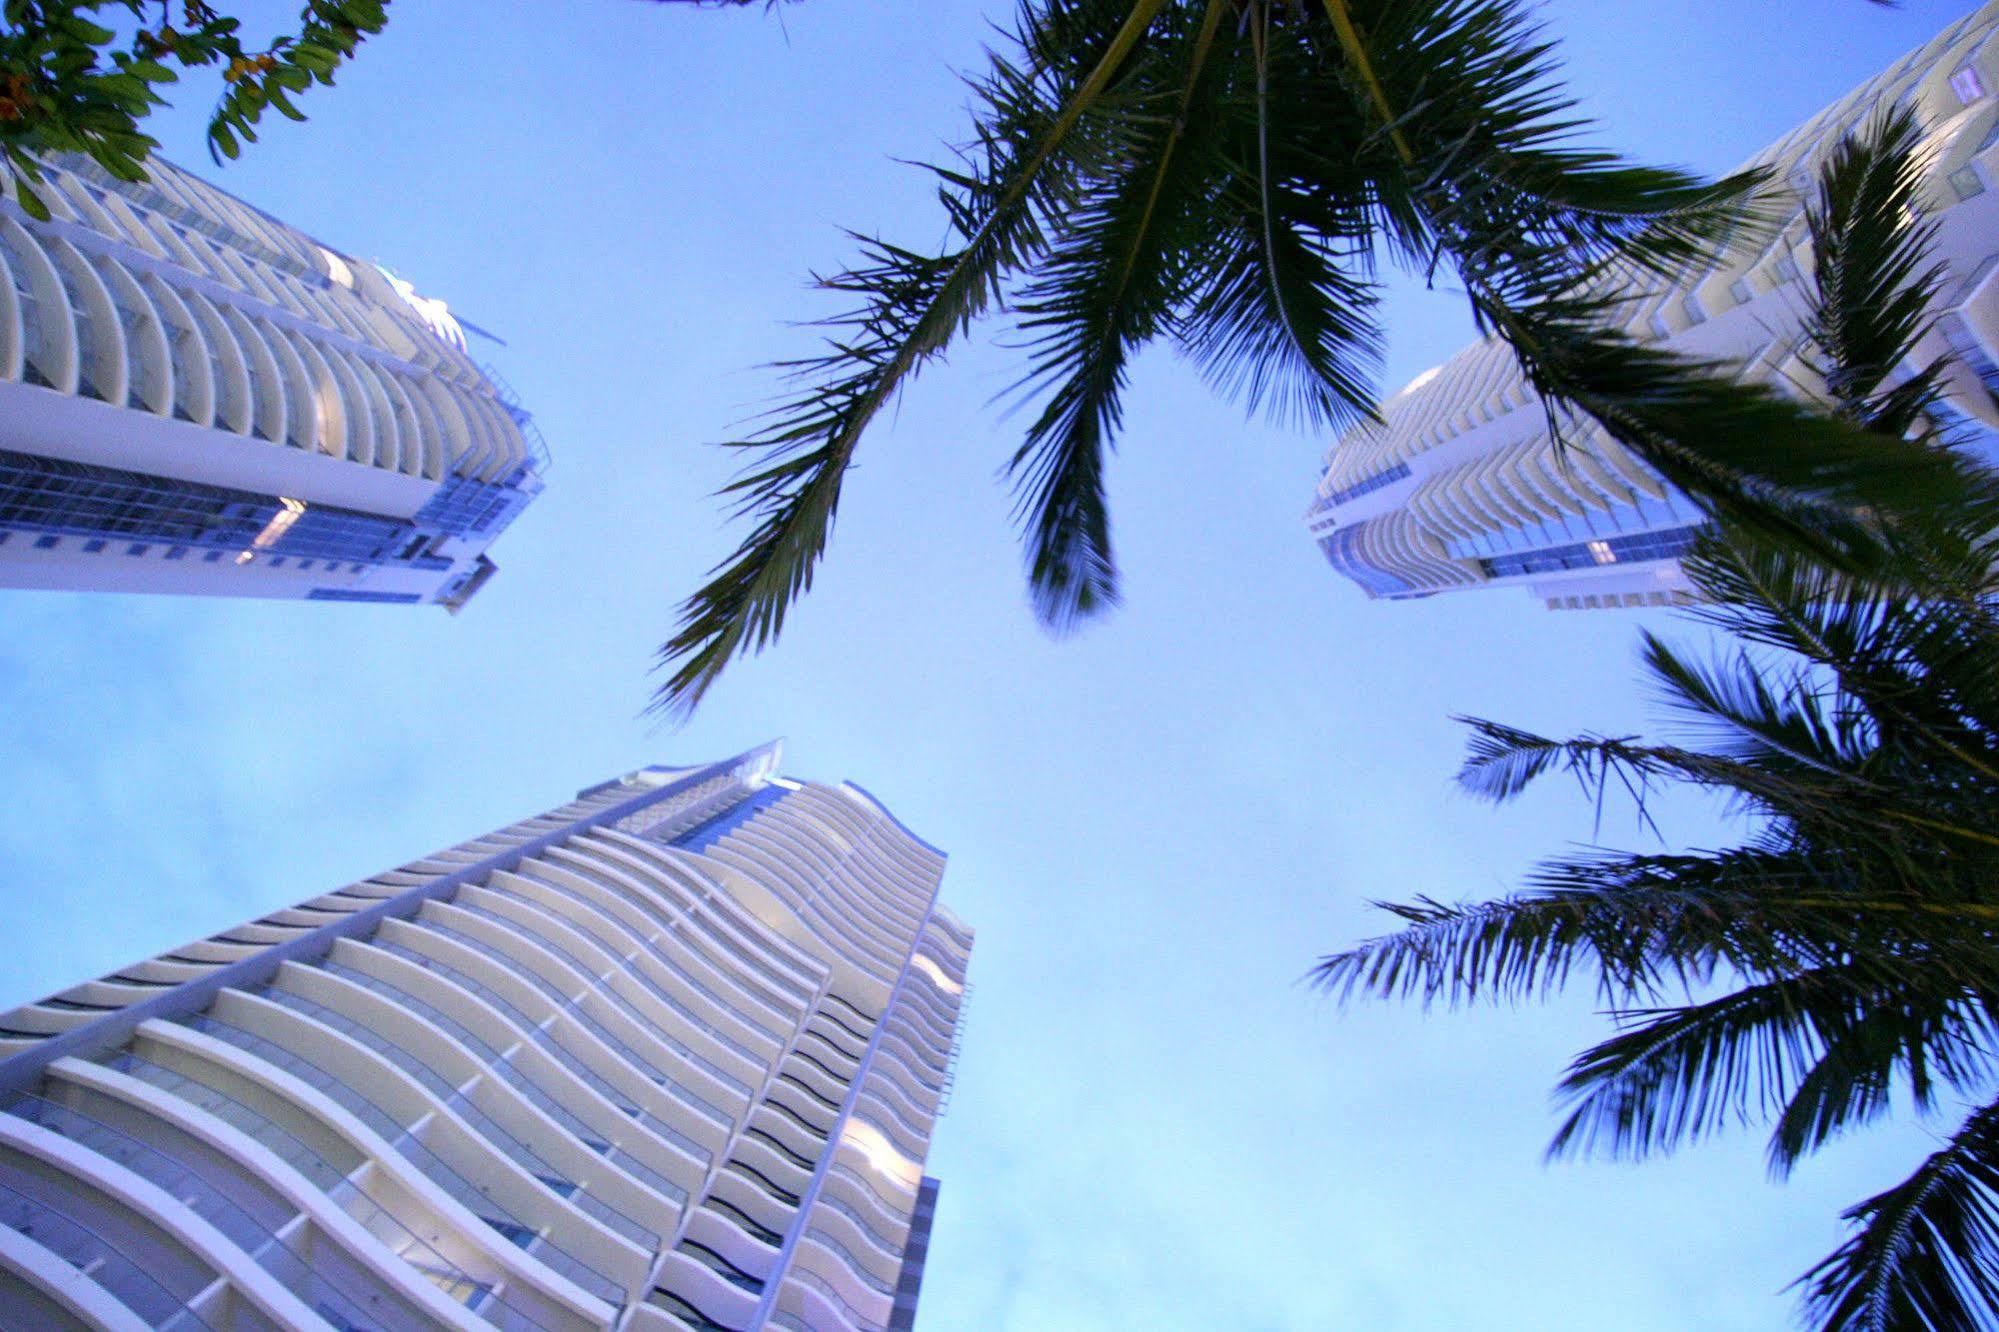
(667,1057)
(1461,485)
(195,397)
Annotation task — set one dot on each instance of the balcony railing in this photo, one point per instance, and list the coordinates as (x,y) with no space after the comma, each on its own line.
(109,1266)
(351,1195)
(433,1167)
(208,1197)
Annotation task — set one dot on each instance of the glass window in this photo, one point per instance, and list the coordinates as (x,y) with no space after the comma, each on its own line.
(58,496)
(1367,485)
(1665,544)
(516,1234)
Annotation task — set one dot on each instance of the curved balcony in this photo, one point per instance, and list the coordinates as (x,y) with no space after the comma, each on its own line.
(747,1246)
(285,1163)
(621,937)
(593,970)
(509,1197)
(520,955)
(241,1208)
(49,340)
(750,1204)
(606,1139)
(786,966)
(757,1133)
(824,1084)
(491,1010)
(840,1297)
(450,1212)
(881,1197)
(134,1285)
(339,1077)
(793,1118)
(882,1236)
(761,1174)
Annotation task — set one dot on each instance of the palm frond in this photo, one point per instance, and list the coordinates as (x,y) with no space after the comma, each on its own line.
(1504,759)
(1638,922)
(1679,1074)
(1496,175)
(1930,1029)
(1926,1252)
(1874,284)
(1645,920)
(1225,173)
(1758,461)
(912,306)
(1283,313)
(1816,1049)
(1542,235)
(1114,274)
(1857,929)
(1918,654)
(1517,948)
(1756,714)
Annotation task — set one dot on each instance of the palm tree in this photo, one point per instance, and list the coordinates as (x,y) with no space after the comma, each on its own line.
(1225,175)
(1851,943)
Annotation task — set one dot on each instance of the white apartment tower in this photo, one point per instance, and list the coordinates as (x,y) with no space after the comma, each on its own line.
(667,1057)
(1460,486)
(197,398)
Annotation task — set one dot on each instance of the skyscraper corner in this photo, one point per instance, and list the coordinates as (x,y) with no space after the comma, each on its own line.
(1462,486)
(667,1056)
(198,398)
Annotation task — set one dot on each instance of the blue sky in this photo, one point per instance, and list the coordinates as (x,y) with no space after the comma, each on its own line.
(1155,826)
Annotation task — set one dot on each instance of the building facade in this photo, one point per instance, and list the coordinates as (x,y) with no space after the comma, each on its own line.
(197,398)
(1461,485)
(667,1057)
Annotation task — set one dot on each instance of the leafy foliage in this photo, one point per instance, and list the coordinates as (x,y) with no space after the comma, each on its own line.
(1223,176)
(69,83)
(1854,936)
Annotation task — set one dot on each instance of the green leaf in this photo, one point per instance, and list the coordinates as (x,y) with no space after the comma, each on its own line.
(31,203)
(82,28)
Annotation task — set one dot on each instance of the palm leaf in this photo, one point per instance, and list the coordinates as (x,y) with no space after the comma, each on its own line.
(1284,310)
(1109,281)
(1818,1049)
(913,305)
(1857,929)
(1926,1251)
(1756,715)
(1940,1021)
(1874,284)
(1681,1073)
